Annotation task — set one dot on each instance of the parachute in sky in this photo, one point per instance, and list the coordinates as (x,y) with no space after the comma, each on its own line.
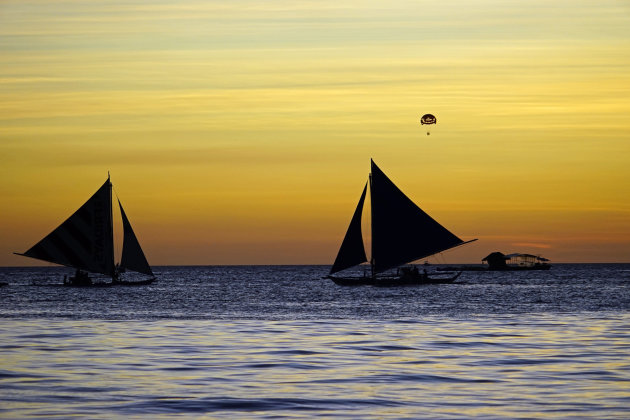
(428,120)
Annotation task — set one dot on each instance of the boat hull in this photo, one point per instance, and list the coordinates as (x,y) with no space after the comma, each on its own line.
(91,284)
(521,267)
(133,283)
(85,286)
(352,281)
(486,268)
(395,281)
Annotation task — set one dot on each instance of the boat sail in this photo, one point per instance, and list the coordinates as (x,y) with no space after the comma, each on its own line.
(85,241)
(401,233)
(352,251)
(132,255)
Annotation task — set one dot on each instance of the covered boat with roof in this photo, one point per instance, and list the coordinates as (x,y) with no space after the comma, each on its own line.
(498,261)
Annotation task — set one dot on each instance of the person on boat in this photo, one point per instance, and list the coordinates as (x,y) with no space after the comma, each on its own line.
(410,271)
(81,278)
(117,271)
(425,275)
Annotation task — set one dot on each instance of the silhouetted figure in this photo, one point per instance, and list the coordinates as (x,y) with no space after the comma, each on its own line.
(80,278)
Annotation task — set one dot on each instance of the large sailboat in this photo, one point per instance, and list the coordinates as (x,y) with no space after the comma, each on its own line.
(401,233)
(85,242)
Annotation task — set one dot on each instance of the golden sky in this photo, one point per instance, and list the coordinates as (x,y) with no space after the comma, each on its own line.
(241,132)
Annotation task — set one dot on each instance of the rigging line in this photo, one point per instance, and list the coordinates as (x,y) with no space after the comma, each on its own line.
(115,192)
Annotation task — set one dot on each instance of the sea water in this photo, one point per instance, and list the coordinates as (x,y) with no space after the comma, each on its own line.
(281,341)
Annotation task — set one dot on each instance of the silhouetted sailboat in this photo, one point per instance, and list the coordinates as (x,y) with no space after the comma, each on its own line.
(85,241)
(401,233)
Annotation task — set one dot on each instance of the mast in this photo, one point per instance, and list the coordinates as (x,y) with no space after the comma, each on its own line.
(372,273)
(111,226)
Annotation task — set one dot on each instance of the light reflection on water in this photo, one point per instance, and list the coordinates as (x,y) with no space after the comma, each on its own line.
(507,366)
(269,341)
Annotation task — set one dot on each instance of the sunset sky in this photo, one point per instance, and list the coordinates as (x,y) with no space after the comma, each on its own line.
(241,132)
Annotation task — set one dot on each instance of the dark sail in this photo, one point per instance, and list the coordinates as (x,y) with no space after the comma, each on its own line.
(352,251)
(401,231)
(85,240)
(132,256)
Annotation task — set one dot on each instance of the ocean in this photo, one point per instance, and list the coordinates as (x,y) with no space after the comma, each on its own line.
(282,342)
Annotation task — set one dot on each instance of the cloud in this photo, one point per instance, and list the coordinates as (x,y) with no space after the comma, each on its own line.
(532,245)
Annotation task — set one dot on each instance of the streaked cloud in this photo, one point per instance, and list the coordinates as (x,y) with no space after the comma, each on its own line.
(288,100)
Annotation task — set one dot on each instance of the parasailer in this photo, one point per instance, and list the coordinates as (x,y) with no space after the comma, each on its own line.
(428,120)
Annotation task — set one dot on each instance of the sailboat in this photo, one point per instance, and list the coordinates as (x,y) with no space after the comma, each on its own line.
(401,233)
(85,241)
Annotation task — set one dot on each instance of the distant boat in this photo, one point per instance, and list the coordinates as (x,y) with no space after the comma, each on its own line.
(85,241)
(401,233)
(498,261)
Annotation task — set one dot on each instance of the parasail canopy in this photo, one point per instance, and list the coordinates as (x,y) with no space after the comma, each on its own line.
(428,119)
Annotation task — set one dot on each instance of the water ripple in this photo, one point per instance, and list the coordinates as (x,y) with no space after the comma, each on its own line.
(199,344)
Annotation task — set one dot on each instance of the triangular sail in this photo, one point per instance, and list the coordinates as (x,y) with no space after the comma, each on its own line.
(85,240)
(401,231)
(352,251)
(132,256)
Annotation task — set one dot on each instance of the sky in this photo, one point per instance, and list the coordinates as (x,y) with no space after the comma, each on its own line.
(241,132)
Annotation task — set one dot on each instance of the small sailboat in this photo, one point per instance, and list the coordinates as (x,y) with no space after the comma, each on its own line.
(401,233)
(85,241)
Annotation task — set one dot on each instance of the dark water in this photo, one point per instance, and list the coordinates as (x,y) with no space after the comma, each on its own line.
(275,342)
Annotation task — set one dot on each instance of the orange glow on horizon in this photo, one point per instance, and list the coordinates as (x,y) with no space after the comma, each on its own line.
(242,133)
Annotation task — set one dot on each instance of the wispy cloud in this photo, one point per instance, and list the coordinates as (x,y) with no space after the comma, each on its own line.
(531,99)
(532,245)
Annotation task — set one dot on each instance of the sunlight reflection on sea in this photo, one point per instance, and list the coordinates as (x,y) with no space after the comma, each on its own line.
(506,367)
(281,342)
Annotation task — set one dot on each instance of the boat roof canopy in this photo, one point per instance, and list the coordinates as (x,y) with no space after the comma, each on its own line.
(514,255)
